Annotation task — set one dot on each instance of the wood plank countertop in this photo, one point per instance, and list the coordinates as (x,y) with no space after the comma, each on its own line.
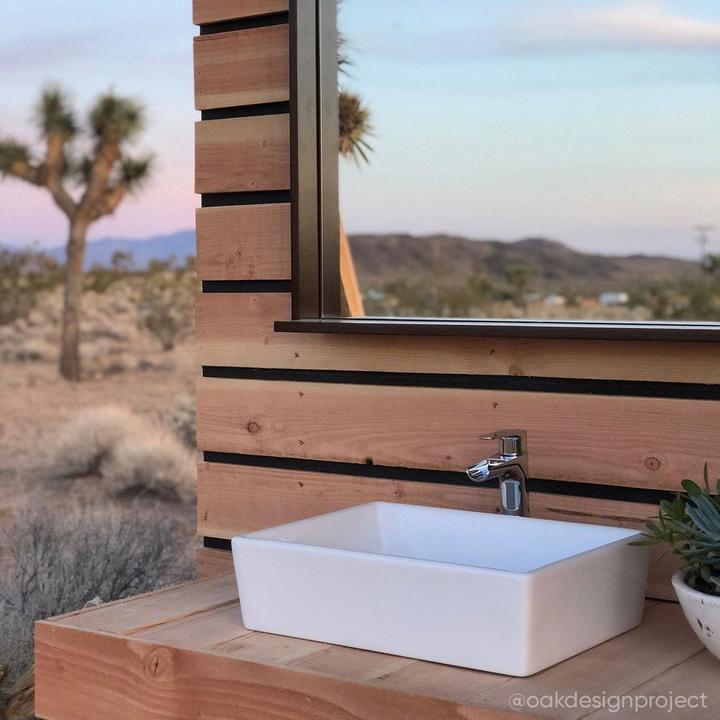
(184,653)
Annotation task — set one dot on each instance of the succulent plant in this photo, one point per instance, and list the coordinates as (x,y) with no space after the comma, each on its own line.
(690,526)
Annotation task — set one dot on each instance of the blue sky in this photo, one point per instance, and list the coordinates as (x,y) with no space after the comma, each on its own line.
(596,122)
(142,49)
(593,122)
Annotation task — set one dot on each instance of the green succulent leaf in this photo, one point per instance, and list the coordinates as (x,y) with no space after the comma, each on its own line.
(705,515)
(690,526)
(691,488)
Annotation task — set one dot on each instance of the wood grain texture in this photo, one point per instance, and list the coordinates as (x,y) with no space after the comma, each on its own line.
(244,67)
(242,154)
(131,615)
(638,442)
(244,242)
(351,298)
(238,499)
(83,675)
(203,662)
(211,11)
(210,562)
(226,342)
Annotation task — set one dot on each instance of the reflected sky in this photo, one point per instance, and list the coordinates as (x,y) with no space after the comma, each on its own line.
(596,123)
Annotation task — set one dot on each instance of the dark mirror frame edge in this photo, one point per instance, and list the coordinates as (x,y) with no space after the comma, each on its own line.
(315,231)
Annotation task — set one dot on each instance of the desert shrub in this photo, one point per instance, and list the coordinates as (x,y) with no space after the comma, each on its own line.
(24,274)
(100,277)
(181,420)
(165,306)
(131,455)
(156,464)
(91,437)
(60,561)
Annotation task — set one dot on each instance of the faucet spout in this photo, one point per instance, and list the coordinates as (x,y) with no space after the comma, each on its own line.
(509,467)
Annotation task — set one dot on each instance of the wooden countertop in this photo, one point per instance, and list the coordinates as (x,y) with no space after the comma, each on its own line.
(184,653)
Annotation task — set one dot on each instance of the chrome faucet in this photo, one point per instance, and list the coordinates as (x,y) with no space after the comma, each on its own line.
(509,467)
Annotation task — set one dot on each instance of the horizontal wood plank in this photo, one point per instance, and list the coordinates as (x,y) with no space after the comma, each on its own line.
(244,67)
(238,499)
(242,154)
(211,11)
(207,663)
(210,562)
(244,242)
(131,615)
(83,675)
(226,342)
(637,442)
(233,500)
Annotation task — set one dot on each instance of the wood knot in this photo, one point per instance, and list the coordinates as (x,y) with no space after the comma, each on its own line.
(253,428)
(159,663)
(653,464)
(515,371)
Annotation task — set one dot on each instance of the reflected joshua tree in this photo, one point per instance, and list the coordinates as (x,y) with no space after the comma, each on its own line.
(355,117)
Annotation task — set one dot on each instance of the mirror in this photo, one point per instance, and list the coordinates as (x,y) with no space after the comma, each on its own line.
(530,159)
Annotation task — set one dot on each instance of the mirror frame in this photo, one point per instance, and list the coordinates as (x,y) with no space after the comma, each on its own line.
(315,231)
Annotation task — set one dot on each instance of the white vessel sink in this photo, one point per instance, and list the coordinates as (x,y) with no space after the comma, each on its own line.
(503,594)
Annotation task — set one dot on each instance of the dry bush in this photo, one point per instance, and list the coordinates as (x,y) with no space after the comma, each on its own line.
(131,455)
(166,303)
(92,436)
(24,275)
(156,464)
(181,420)
(60,561)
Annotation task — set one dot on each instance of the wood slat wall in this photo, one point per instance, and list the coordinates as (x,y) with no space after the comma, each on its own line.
(245,154)
(212,11)
(242,68)
(226,342)
(652,418)
(639,442)
(233,500)
(250,242)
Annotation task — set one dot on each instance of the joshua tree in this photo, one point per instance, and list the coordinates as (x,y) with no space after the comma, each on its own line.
(355,118)
(355,127)
(85,185)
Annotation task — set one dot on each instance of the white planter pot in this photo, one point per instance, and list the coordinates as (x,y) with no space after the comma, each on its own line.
(702,612)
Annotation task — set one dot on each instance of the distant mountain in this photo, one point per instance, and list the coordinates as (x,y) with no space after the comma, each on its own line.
(380,258)
(160,247)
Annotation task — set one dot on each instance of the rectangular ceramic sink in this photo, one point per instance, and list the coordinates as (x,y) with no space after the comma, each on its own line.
(503,594)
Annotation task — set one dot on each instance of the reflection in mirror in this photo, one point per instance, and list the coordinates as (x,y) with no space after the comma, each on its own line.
(541,159)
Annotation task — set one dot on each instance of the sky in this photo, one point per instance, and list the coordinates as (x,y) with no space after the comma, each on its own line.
(140,49)
(593,122)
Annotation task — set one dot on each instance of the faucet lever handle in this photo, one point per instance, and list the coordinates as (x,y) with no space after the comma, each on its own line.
(512,442)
